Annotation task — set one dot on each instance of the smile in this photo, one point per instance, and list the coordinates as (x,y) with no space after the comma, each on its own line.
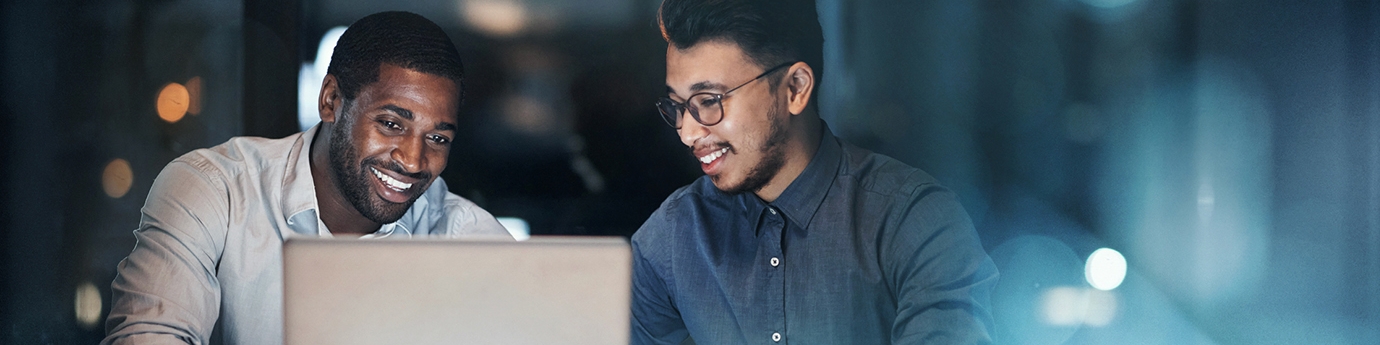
(392,183)
(706,159)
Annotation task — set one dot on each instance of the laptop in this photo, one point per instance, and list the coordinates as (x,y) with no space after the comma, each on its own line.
(546,290)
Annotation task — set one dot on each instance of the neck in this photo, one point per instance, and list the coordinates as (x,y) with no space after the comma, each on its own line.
(336,212)
(800,149)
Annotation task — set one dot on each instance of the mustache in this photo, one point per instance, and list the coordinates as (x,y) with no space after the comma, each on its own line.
(396,168)
(718,145)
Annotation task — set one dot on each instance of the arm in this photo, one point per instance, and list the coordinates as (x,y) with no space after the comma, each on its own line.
(655,319)
(166,291)
(940,274)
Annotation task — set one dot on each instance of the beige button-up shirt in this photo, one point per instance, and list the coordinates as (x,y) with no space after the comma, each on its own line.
(207,268)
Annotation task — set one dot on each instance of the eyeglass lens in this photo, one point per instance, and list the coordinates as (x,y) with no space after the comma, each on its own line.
(706,108)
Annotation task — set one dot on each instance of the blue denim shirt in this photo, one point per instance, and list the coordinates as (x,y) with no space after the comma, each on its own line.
(859,249)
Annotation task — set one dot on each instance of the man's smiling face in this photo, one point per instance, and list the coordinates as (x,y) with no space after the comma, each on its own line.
(745,150)
(392,140)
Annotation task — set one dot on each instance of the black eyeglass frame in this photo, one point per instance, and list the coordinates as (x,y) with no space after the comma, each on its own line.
(676,108)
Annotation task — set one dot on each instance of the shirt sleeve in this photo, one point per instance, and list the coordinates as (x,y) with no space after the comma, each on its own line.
(166,291)
(655,319)
(942,277)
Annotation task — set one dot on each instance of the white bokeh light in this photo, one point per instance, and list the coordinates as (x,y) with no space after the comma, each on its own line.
(1105,269)
(1068,306)
(310,76)
(88,305)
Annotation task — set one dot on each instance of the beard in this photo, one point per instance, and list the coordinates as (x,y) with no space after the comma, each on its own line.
(353,181)
(773,156)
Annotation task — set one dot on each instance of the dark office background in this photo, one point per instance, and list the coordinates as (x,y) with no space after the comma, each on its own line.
(1229,149)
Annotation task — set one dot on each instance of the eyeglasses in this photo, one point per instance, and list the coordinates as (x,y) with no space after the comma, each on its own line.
(706,107)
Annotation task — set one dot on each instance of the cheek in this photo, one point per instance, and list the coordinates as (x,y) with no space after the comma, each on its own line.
(371,143)
(749,130)
(437,158)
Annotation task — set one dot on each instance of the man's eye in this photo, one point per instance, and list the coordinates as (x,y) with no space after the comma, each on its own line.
(707,102)
(390,124)
(440,139)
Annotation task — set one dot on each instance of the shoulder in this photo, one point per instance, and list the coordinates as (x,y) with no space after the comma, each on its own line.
(919,217)
(681,204)
(922,221)
(214,166)
(457,216)
(200,189)
(238,155)
(879,174)
(910,197)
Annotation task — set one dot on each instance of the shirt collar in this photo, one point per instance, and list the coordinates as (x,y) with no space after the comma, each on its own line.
(806,193)
(299,189)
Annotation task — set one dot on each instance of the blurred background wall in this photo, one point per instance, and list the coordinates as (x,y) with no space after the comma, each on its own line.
(1228,151)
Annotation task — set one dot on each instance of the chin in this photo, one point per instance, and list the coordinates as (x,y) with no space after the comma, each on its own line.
(727,185)
(388,214)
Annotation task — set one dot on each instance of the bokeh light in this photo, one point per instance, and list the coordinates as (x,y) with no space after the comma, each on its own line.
(1105,269)
(1062,306)
(88,305)
(528,115)
(325,49)
(194,96)
(173,102)
(311,76)
(1033,269)
(117,178)
(1072,306)
(495,17)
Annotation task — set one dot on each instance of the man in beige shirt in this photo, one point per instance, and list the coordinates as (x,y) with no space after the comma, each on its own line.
(208,264)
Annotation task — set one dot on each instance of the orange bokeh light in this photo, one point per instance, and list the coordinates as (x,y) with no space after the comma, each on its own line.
(117,178)
(173,102)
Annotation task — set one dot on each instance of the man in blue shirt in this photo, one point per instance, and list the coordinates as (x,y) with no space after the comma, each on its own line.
(792,235)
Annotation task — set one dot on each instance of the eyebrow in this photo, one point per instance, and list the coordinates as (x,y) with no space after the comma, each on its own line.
(697,87)
(705,85)
(407,114)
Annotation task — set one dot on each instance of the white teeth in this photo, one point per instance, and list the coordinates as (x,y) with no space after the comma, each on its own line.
(713,155)
(390,181)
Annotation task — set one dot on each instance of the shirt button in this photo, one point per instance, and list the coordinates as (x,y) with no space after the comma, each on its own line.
(772,210)
(776,337)
(775,262)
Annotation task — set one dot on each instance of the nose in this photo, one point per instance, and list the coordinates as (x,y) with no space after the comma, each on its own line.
(409,154)
(690,130)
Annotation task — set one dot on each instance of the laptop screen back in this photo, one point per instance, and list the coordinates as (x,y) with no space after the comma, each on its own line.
(541,291)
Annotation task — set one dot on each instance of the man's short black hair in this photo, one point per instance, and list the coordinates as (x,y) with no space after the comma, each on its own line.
(403,39)
(770,32)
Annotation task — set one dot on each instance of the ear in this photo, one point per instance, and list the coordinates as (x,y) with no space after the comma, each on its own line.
(800,85)
(330,99)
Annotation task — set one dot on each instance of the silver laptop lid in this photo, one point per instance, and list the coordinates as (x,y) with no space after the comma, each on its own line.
(541,291)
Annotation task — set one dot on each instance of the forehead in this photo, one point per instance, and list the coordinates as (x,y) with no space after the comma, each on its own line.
(715,63)
(422,93)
